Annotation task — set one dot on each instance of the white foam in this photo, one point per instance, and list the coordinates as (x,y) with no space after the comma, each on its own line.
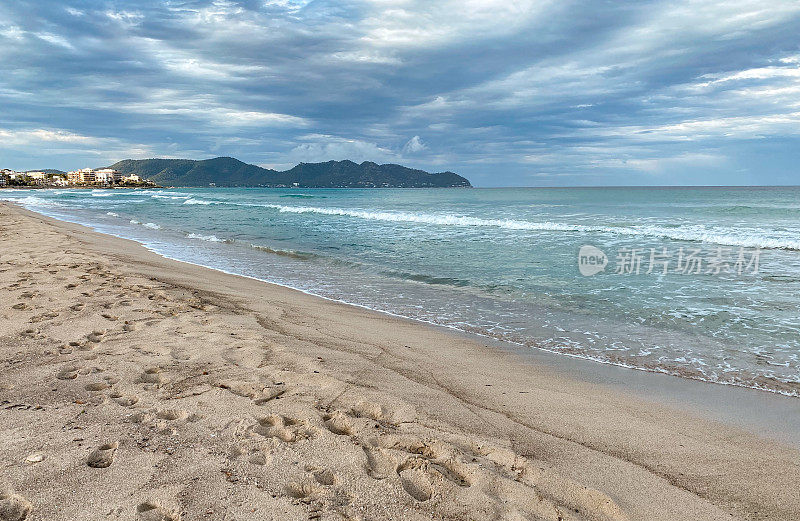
(172,197)
(112,214)
(167,192)
(443,219)
(742,238)
(31,201)
(723,237)
(152,226)
(207,238)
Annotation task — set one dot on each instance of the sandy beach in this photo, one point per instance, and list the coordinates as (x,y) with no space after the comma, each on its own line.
(138,387)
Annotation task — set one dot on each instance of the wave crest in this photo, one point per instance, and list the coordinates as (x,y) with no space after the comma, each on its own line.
(691,234)
(207,238)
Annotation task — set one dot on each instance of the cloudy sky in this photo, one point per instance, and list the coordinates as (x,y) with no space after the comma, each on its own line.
(506,92)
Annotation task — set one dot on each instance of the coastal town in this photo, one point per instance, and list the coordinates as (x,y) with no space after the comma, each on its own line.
(85,177)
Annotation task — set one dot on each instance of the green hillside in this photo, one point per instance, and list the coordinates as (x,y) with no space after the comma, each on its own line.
(227,171)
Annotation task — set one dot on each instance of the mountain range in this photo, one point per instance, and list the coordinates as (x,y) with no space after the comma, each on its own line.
(227,171)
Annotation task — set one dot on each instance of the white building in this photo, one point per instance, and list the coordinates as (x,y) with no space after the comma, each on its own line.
(38,178)
(107,176)
(133,178)
(104,176)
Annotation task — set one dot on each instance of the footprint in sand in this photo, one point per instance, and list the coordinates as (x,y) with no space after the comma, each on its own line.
(306,488)
(370,410)
(142,417)
(95,336)
(323,476)
(439,457)
(259,457)
(416,478)
(13,507)
(258,452)
(456,471)
(386,415)
(72,371)
(172,414)
(102,456)
(270,393)
(412,445)
(380,463)
(68,373)
(284,428)
(49,315)
(152,511)
(97,386)
(151,375)
(259,393)
(338,423)
(564,492)
(125,400)
(430,466)
(32,333)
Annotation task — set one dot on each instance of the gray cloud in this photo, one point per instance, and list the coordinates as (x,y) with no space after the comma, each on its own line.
(529,92)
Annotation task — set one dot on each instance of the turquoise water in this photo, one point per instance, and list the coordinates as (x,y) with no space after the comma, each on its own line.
(504,262)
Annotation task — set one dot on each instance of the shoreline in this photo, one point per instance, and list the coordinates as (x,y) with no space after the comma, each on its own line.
(794,435)
(434,384)
(774,414)
(526,351)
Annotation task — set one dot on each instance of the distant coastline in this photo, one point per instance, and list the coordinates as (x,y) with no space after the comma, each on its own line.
(230,172)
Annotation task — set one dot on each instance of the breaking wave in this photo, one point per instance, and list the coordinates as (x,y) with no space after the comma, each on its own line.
(694,233)
(689,233)
(207,238)
(192,200)
(33,201)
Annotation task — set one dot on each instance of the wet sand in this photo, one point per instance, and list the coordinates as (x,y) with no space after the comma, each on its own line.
(137,387)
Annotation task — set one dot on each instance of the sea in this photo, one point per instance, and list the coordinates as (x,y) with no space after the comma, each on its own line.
(701,283)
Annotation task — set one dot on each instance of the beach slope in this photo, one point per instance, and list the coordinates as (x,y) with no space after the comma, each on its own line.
(137,387)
